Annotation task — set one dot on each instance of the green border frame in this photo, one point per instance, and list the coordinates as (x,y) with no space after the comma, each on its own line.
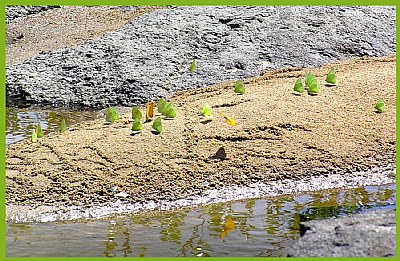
(175,2)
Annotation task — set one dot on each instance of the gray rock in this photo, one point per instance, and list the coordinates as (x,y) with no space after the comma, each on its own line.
(149,57)
(370,234)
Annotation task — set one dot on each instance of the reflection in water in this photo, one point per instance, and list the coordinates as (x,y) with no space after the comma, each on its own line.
(20,122)
(257,227)
(228,227)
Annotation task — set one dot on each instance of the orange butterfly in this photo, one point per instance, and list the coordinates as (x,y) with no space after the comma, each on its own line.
(149,111)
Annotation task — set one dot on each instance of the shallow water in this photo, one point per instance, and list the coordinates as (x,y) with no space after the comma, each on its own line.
(20,122)
(262,227)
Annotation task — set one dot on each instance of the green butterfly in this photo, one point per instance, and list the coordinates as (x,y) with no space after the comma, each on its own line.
(309,78)
(169,111)
(111,115)
(39,131)
(239,87)
(157,125)
(193,66)
(206,111)
(166,108)
(161,105)
(136,125)
(314,87)
(136,113)
(63,126)
(34,136)
(380,105)
(331,77)
(298,86)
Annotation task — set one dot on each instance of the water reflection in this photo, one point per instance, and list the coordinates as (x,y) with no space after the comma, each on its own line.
(20,122)
(262,227)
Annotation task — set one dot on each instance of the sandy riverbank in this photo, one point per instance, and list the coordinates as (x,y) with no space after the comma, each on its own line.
(278,136)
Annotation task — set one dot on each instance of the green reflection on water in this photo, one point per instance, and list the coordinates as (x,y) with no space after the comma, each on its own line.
(20,122)
(18,229)
(263,227)
(347,202)
(110,244)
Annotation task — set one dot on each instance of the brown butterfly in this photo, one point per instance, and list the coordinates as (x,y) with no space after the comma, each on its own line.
(149,111)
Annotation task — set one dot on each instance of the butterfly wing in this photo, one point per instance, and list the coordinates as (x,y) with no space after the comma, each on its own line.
(149,110)
(228,120)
